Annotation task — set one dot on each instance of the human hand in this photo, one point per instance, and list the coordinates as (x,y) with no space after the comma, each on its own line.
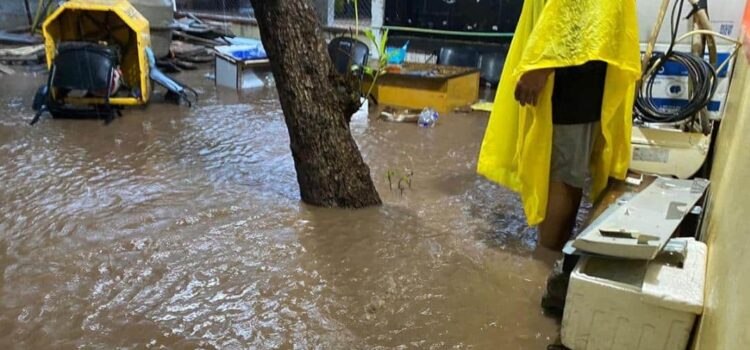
(530,86)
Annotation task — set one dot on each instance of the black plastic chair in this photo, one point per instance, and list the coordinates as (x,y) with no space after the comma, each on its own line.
(78,66)
(490,67)
(461,57)
(346,52)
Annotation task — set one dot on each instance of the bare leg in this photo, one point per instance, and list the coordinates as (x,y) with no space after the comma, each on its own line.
(562,209)
(554,231)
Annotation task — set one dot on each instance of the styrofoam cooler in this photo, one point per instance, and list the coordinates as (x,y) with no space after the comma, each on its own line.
(632,304)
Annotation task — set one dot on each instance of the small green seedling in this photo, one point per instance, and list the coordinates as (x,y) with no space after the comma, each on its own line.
(404,180)
(380,47)
(389,175)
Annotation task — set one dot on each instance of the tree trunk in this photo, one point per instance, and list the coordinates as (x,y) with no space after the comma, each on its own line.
(317,105)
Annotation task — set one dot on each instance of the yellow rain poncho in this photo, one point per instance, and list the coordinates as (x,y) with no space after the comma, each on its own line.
(517,145)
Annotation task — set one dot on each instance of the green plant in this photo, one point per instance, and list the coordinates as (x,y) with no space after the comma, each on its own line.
(389,176)
(408,176)
(380,48)
(340,5)
(383,57)
(404,180)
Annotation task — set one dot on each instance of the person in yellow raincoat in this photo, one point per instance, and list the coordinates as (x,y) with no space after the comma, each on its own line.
(563,109)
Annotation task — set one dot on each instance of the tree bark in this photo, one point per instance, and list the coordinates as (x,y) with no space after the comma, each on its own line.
(317,105)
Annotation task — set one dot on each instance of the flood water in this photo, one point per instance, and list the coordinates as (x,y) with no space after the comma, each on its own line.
(178,227)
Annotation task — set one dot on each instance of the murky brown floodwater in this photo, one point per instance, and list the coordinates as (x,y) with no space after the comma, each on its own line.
(181,228)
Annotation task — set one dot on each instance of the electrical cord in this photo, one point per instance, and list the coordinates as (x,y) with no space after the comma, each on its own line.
(701,74)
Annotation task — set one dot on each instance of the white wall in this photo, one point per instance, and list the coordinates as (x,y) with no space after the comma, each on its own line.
(725,17)
(726,315)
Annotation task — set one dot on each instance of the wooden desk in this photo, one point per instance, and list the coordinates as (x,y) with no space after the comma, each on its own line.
(442,88)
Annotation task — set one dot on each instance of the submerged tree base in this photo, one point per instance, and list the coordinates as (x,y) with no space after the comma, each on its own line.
(317,105)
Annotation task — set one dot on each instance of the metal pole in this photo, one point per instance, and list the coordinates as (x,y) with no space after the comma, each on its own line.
(655,34)
(28,11)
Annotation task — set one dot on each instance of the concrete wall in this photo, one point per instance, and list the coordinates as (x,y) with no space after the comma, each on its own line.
(726,320)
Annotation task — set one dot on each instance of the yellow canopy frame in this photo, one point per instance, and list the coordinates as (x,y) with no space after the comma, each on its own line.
(115,22)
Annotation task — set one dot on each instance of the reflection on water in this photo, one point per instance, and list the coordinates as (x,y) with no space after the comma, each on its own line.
(181,228)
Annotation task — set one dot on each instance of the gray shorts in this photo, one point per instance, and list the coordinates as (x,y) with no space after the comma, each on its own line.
(572,145)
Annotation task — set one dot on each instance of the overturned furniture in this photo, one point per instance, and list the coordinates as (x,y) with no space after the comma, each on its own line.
(97,61)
